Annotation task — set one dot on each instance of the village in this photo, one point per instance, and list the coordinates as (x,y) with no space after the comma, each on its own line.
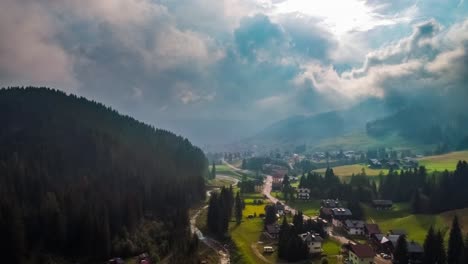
(360,241)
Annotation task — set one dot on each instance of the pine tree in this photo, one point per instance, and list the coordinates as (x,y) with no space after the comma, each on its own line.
(430,247)
(455,243)
(238,208)
(441,257)
(283,238)
(213,171)
(400,255)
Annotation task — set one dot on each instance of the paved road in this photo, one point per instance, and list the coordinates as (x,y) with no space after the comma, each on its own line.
(267,192)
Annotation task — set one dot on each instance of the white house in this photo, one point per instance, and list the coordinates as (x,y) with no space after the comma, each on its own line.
(303,193)
(313,242)
(355,227)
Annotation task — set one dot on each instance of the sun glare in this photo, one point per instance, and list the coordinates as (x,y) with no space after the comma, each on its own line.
(340,16)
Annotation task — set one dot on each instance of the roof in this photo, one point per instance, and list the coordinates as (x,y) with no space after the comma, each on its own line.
(310,237)
(378,236)
(373,229)
(414,247)
(362,251)
(330,203)
(390,238)
(354,224)
(341,211)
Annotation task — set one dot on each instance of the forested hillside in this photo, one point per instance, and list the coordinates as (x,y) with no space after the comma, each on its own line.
(80,181)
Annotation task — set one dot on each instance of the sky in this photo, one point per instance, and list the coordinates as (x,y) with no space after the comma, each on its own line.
(173,62)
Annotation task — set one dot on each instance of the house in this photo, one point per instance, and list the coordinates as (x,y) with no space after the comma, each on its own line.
(273,230)
(376,239)
(382,204)
(313,242)
(388,243)
(370,229)
(375,163)
(326,213)
(415,252)
(279,207)
(354,227)
(303,193)
(392,165)
(330,203)
(339,215)
(361,254)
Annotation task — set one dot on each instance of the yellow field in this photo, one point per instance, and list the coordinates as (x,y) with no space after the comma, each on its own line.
(443,162)
(348,170)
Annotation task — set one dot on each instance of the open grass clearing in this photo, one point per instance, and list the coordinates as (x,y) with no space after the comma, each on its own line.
(309,208)
(248,233)
(443,162)
(348,170)
(400,217)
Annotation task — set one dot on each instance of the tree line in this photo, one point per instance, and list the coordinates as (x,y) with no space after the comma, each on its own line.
(80,182)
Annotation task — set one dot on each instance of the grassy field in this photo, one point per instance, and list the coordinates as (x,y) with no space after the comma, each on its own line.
(348,170)
(225,170)
(400,217)
(443,162)
(249,232)
(309,208)
(217,182)
(361,141)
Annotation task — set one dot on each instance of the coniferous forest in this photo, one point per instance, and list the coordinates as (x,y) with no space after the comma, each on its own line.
(80,182)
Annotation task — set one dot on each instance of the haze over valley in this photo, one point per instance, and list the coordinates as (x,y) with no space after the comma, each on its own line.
(233,131)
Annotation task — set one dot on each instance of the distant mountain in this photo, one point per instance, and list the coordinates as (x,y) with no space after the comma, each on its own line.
(81,183)
(315,128)
(423,124)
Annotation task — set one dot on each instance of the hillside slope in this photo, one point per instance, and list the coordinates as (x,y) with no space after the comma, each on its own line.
(77,178)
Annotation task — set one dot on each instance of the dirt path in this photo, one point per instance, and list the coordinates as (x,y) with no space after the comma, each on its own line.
(224,256)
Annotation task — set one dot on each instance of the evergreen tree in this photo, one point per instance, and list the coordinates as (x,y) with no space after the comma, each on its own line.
(283,238)
(213,170)
(238,208)
(400,255)
(455,243)
(270,214)
(430,247)
(441,257)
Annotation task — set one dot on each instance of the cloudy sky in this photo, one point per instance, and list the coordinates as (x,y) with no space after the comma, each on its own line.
(164,60)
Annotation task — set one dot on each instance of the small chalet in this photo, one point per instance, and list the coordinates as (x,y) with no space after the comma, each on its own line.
(273,230)
(388,243)
(415,252)
(303,193)
(339,215)
(376,240)
(329,203)
(382,204)
(313,242)
(279,208)
(361,254)
(354,227)
(371,229)
(375,163)
(326,213)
